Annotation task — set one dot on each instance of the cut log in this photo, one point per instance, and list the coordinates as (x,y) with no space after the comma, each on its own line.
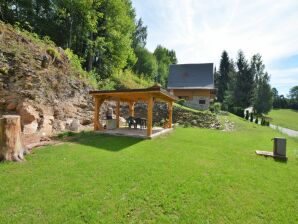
(11,146)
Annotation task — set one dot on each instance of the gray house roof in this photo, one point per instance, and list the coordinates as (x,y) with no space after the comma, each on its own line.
(191,76)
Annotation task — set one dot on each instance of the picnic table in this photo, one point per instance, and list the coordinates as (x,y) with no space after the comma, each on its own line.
(135,121)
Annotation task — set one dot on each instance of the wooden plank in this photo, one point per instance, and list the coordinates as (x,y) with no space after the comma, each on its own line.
(271,154)
(96,118)
(264,153)
(118,113)
(170,112)
(149,116)
(132,109)
(135,96)
(96,114)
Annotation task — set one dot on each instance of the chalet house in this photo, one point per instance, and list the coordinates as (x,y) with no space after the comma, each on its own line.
(194,83)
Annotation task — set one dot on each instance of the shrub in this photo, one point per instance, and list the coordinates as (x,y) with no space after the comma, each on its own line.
(75,60)
(257,120)
(53,52)
(129,80)
(4,70)
(263,121)
(107,85)
(76,66)
(251,117)
(181,102)
(247,115)
(217,107)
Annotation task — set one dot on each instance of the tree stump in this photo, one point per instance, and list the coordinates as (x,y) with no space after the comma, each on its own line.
(11,147)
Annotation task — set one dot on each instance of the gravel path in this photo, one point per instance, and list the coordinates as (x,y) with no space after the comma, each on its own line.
(286,131)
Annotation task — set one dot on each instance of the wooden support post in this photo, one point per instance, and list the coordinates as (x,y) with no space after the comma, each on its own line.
(170,112)
(98,102)
(149,116)
(11,147)
(118,114)
(132,109)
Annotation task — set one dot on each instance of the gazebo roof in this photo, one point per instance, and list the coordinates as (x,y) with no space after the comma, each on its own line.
(133,95)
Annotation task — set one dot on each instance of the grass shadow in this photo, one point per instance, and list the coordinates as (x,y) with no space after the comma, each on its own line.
(100,141)
(279,160)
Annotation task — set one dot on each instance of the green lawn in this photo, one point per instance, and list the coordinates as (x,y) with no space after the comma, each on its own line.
(190,176)
(285,118)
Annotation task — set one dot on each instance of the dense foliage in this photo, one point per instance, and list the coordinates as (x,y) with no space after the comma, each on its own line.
(243,84)
(290,102)
(164,59)
(106,35)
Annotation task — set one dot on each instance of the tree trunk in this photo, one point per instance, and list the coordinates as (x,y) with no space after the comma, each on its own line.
(11,147)
(90,56)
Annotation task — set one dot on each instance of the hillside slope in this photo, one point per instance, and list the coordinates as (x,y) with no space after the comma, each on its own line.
(45,86)
(38,82)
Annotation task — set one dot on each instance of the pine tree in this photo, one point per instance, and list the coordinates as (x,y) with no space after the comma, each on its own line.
(229,99)
(223,76)
(263,96)
(243,93)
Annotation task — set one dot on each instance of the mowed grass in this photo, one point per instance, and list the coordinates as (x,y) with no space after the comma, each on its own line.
(285,118)
(189,176)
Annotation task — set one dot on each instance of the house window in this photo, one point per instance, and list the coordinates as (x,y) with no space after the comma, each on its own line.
(202,101)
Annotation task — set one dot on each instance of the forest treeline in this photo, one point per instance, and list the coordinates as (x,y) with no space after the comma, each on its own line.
(106,35)
(110,42)
(242,83)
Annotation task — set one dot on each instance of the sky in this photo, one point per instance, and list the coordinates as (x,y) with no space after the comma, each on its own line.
(199,30)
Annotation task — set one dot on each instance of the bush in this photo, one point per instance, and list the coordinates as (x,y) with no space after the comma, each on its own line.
(251,117)
(76,66)
(75,60)
(217,107)
(181,102)
(247,115)
(53,52)
(125,80)
(107,85)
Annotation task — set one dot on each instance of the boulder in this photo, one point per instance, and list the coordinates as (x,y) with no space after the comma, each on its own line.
(29,118)
(75,125)
(30,128)
(68,122)
(59,125)
(46,126)
(194,122)
(69,110)
(28,113)
(11,106)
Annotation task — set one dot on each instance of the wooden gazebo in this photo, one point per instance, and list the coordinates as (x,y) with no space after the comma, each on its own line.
(132,96)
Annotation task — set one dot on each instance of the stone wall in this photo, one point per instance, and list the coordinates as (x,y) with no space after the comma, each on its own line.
(181,116)
(195,103)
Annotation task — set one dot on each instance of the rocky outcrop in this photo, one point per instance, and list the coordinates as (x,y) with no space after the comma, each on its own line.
(46,93)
